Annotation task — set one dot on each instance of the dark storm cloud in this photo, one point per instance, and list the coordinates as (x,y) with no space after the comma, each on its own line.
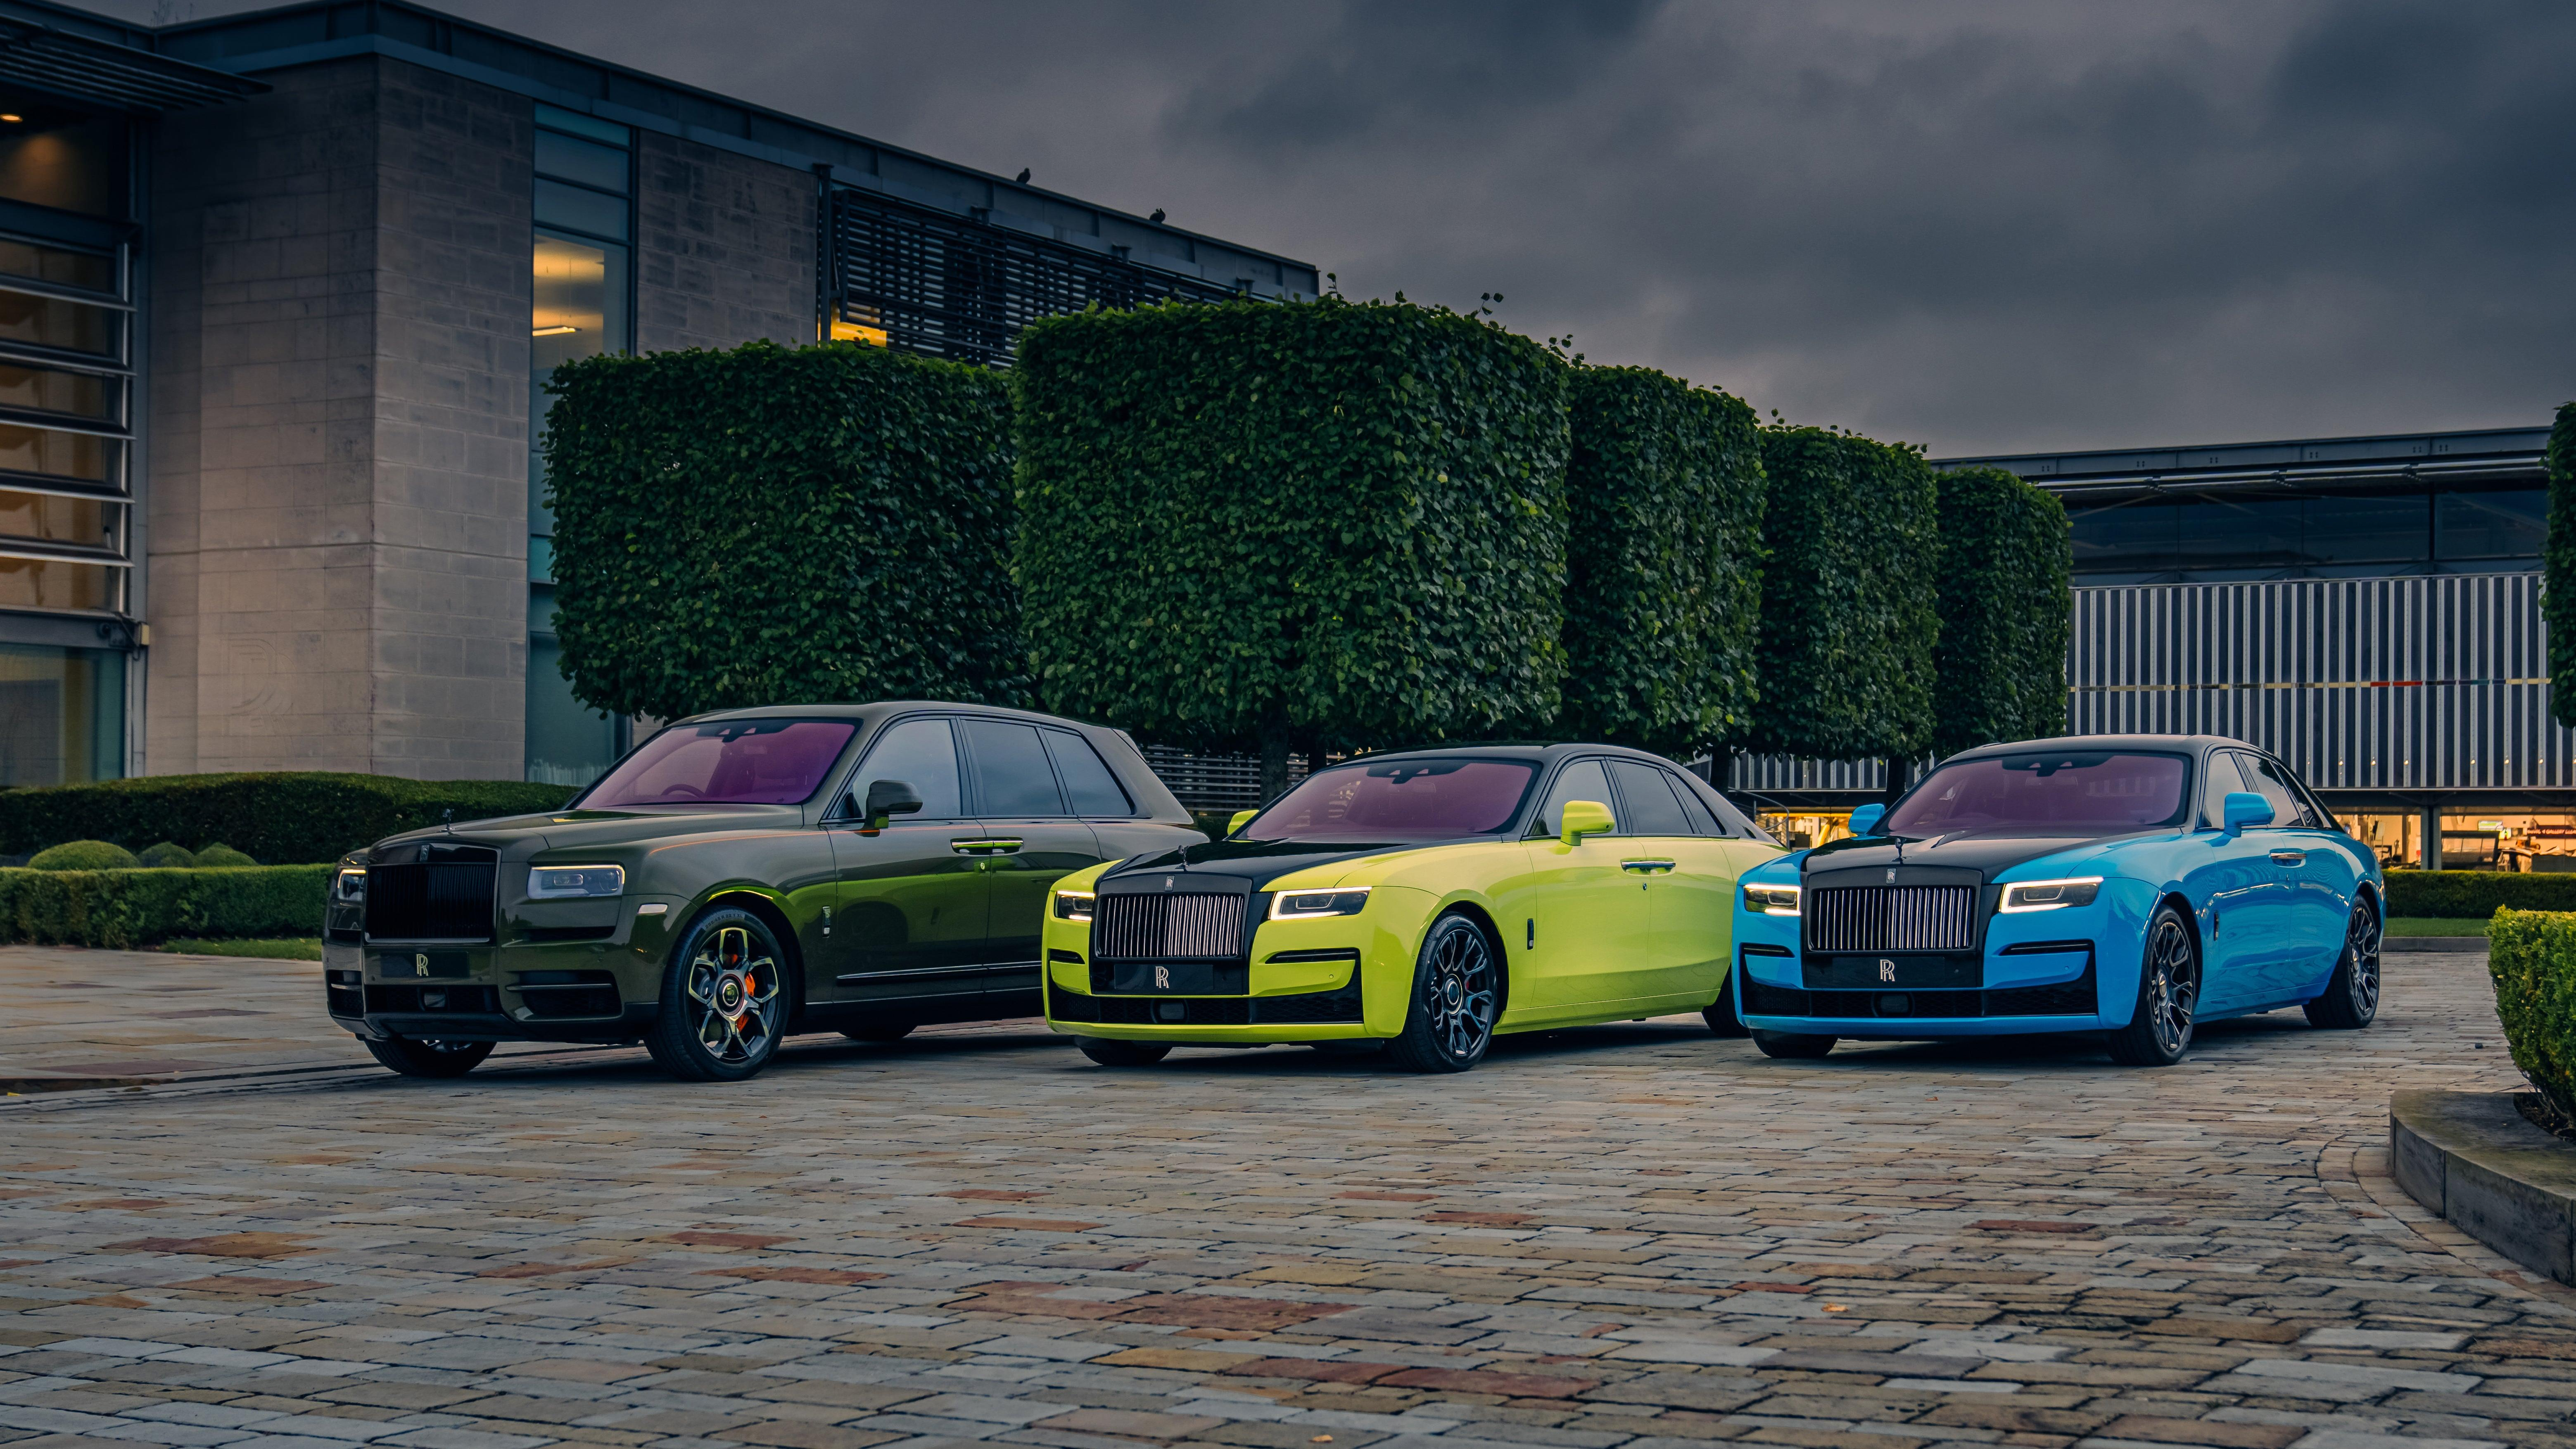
(1984,224)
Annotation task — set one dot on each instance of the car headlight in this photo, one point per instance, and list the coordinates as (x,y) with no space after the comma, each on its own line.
(2050,895)
(1073,905)
(1316,905)
(349,887)
(572,882)
(1771,900)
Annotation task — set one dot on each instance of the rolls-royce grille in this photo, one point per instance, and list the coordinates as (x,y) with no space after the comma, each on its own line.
(1892,918)
(447,897)
(1167,927)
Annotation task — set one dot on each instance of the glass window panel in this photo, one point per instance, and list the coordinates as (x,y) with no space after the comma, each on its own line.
(2368,528)
(2223,781)
(52,390)
(44,518)
(1652,810)
(58,266)
(2221,533)
(49,583)
(921,753)
(2124,537)
(62,715)
(2491,523)
(1582,780)
(56,322)
(569,743)
(1012,777)
(587,162)
(68,162)
(1088,783)
(557,118)
(571,206)
(81,456)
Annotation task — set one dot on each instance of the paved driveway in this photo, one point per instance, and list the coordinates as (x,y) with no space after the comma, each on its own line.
(1630,1238)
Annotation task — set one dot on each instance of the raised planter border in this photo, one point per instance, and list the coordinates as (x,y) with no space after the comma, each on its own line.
(2473,1158)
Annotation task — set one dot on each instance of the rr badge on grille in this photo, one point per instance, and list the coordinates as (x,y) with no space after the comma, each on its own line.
(420,965)
(1162,978)
(1167,882)
(1886,970)
(1891,877)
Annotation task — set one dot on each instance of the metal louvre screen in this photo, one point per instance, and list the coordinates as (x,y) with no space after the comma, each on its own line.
(949,286)
(1892,918)
(1167,927)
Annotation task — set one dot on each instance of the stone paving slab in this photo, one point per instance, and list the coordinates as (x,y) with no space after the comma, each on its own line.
(1636,1237)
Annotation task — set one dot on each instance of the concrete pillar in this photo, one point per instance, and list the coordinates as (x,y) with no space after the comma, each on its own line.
(2432,828)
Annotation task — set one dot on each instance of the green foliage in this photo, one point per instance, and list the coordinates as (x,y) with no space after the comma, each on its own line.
(84,855)
(221,855)
(315,815)
(1848,619)
(2558,567)
(1246,523)
(2461,894)
(1663,593)
(289,948)
(2006,611)
(168,855)
(2531,955)
(771,525)
(126,908)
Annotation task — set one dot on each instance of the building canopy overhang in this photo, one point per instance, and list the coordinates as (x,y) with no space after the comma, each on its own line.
(102,73)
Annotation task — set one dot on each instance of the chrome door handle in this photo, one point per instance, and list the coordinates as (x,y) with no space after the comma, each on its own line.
(1647,866)
(2289,857)
(984,847)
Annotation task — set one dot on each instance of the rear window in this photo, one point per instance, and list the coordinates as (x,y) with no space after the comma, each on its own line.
(727,762)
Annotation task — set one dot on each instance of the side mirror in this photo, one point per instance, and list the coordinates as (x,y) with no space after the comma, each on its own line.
(1582,818)
(888,798)
(1865,819)
(1241,819)
(2243,808)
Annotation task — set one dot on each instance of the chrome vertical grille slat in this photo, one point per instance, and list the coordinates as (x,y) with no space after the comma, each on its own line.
(1892,918)
(1167,927)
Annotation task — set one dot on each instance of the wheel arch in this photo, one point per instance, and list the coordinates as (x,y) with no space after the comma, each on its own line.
(1482,917)
(757,902)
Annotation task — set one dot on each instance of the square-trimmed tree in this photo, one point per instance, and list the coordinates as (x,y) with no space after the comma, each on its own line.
(2007,556)
(1848,619)
(1663,594)
(767,525)
(1290,524)
(2558,567)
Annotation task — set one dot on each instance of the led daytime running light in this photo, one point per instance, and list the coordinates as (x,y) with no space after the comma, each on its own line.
(1319,905)
(2049,895)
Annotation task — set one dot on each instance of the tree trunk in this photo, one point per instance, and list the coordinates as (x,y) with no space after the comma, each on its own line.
(1900,774)
(1274,761)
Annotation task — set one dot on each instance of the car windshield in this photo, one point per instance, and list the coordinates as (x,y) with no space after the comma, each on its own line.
(1395,801)
(2076,792)
(729,762)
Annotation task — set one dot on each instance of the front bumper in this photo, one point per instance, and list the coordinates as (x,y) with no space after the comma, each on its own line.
(1324,980)
(590,973)
(1901,1012)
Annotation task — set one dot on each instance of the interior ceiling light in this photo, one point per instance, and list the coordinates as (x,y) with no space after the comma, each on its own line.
(558,330)
(11,118)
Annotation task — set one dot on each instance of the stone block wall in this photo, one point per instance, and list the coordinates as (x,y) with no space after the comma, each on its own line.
(725,248)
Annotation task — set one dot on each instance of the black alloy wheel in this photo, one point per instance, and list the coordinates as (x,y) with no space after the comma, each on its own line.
(416,1057)
(2351,997)
(2159,1029)
(724,1000)
(1791,1046)
(1721,1015)
(1457,997)
(1111,1052)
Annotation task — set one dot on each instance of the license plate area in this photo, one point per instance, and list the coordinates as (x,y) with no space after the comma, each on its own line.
(1179,978)
(1893,972)
(423,966)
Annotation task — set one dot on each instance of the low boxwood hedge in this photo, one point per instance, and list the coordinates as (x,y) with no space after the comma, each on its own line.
(2459,894)
(2532,957)
(287,816)
(127,908)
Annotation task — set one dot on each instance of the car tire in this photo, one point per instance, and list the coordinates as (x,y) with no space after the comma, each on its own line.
(2351,996)
(434,1059)
(1791,1046)
(2159,1029)
(880,1032)
(725,1000)
(1720,1014)
(1111,1052)
(1457,997)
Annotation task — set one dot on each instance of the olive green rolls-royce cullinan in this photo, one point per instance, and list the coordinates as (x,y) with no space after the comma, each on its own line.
(741,877)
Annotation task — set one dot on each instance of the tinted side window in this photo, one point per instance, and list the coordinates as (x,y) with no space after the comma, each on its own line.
(1702,819)
(2274,784)
(1652,810)
(923,754)
(1011,772)
(1582,780)
(2223,781)
(1088,785)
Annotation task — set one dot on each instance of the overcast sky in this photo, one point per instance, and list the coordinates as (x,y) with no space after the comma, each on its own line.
(1985,226)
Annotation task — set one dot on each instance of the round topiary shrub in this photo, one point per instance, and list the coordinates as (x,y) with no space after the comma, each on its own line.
(168,855)
(84,855)
(220,854)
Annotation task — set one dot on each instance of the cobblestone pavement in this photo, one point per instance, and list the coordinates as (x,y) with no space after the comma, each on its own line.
(1636,1237)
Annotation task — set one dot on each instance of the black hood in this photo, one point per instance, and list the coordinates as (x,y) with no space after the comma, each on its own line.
(1245,865)
(1986,853)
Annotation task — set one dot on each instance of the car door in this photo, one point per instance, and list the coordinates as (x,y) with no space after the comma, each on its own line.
(913,901)
(2248,903)
(1584,923)
(1027,839)
(2318,876)
(1712,859)
(1686,907)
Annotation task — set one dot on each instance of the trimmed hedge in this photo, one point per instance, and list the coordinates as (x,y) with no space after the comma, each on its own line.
(1848,618)
(312,815)
(2461,894)
(773,525)
(1663,588)
(2007,555)
(2558,567)
(127,908)
(2531,956)
(1291,525)
(84,855)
